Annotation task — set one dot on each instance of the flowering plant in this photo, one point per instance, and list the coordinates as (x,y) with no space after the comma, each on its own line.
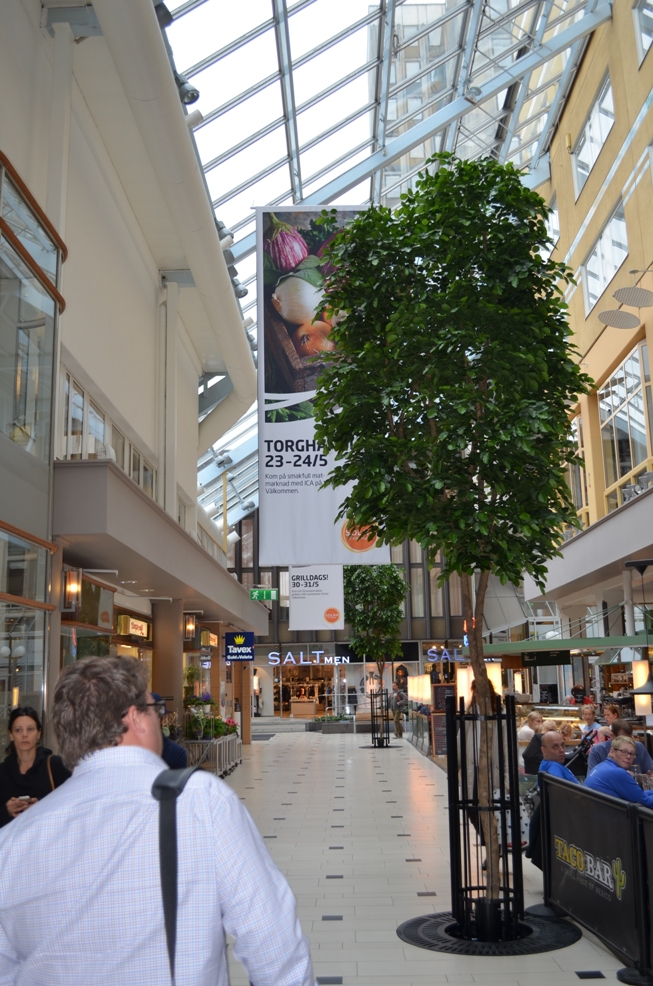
(206,699)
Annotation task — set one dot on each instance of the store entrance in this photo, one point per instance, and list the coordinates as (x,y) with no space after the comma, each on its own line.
(303,692)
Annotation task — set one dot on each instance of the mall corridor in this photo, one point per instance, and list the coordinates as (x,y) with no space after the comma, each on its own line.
(361,835)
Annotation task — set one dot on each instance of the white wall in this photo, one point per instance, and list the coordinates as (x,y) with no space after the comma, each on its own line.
(111,331)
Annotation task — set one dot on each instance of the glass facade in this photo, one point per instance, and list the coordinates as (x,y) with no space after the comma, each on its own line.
(625,412)
(27,321)
(643,14)
(607,256)
(594,135)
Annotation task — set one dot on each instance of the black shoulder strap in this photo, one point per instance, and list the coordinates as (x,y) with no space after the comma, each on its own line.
(166,789)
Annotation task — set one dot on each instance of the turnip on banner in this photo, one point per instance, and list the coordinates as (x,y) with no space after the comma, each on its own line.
(297,519)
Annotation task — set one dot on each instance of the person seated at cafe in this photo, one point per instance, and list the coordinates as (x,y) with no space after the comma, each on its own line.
(600,751)
(588,714)
(533,752)
(532,725)
(553,757)
(553,763)
(613,775)
(610,713)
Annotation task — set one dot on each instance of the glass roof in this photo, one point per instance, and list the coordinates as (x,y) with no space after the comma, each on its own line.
(294,94)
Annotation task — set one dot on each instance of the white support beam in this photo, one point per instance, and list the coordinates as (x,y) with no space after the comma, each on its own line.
(383,88)
(454,111)
(288,95)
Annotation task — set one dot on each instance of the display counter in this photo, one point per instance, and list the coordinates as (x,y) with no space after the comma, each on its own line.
(302,708)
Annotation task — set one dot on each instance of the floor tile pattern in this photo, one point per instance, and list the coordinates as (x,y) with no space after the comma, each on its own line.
(351,896)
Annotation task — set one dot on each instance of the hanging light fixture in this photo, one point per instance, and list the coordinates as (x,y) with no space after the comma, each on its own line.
(632,297)
(72,588)
(190,624)
(643,691)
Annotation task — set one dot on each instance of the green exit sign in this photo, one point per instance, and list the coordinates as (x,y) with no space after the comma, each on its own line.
(261,595)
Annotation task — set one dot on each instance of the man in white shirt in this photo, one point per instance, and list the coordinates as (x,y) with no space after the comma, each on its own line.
(80,891)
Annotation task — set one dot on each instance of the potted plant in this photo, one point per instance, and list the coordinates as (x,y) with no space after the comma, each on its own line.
(207,702)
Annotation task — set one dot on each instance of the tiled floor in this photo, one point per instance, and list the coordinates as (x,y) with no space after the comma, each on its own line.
(343,820)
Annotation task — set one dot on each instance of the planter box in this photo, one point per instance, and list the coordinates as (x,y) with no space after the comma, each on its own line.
(314,727)
(337,727)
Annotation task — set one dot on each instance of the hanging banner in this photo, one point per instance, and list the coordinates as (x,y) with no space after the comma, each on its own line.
(297,518)
(317,598)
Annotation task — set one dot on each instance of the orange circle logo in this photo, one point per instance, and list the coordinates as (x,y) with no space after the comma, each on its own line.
(332,615)
(357,538)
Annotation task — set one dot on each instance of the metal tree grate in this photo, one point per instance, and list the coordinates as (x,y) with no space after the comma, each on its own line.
(437,932)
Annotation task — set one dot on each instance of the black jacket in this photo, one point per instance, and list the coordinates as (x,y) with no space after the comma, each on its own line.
(36,782)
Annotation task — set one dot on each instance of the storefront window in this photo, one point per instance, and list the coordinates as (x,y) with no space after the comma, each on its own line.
(27,314)
(23,568)
(80,642)
(22,644)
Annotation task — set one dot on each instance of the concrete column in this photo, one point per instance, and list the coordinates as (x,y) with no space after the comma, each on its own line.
(52,646)
(246,703)
(168,655)
(170,464)
(60,111)
(629,609)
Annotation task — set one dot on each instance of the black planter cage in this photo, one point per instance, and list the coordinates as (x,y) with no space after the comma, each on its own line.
(488,744)
(379,709)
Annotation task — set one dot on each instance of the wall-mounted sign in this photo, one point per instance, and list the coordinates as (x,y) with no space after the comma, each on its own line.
(545,658)
(308,657)
(208,639)
(239,646)
(128,626)
(261,595)
(438,652)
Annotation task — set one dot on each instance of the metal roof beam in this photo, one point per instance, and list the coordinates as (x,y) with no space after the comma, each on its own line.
(386,39)
(288,95)
(211,472)
(472,31)
(454,111)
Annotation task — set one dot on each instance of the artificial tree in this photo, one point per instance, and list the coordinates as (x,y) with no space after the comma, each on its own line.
(373,598)
(447,400)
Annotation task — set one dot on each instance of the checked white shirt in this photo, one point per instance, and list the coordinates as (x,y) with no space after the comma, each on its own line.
(80,892)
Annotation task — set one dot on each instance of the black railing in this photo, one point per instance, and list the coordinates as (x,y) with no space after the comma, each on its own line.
(380,718)
(487,893)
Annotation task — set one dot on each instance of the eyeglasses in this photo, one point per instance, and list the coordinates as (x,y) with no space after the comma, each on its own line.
(160,708)
(626,753)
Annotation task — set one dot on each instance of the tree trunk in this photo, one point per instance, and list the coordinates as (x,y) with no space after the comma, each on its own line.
(473,613)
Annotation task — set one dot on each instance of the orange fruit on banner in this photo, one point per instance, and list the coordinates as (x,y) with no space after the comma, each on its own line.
(357,538)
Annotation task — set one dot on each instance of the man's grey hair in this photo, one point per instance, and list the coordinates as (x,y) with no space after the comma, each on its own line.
(91,699)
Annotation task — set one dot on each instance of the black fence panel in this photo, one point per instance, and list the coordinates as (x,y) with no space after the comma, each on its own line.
(380,716)
(593,864)
(477,744)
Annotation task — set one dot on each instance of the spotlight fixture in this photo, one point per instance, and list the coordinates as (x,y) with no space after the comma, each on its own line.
(239,290)
(472,93)
(187,91)
(194,119)
(190,624)
(233,537)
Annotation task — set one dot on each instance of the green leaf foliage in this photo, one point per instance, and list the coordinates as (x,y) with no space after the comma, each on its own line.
(373,598)
(447,400)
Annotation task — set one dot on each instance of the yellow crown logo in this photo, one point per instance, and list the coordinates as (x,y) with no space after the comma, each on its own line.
(239,639)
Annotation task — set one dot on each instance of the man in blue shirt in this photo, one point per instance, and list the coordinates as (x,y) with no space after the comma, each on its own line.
(599,751)
(553,757)
(612,776)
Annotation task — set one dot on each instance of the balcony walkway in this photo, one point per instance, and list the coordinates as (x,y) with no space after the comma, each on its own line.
(360,834)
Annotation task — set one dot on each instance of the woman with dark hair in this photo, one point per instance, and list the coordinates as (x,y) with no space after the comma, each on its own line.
(30,771)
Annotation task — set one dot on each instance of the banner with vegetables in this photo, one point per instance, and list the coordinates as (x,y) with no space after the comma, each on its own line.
(297,518)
